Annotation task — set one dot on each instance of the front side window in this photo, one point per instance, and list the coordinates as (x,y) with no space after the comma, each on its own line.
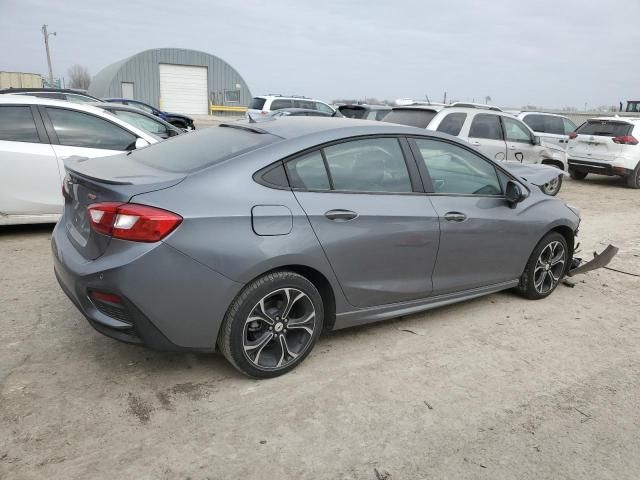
(308,172)
(569,126)
(452,123)
(456,170)
(80,129)
(368,165)
(73,98)
(487,126)
(380,114)
(322,107)
(141,106)
(144,123)
(516,131)
(17,125)
(278,104)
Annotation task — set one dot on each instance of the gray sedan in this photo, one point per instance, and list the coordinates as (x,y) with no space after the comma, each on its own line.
(252,238)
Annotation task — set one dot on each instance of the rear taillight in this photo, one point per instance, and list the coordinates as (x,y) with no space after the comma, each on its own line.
(573,135)
(130,221)
(625,140)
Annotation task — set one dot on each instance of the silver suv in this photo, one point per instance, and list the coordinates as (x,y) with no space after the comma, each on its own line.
(499,135)
(265,104)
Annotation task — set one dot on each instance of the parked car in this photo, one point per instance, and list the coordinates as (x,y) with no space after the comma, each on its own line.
(551,127)
(265,104)
(262,235)
(176,119)
(69,95)
(141,119)
(364,112)
(498,135)
(606,146)
(300,112)
(36,135)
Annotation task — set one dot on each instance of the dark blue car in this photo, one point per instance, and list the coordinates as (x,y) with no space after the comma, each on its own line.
(175,119)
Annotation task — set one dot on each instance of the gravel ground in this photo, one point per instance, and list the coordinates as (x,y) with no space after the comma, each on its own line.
(495,388)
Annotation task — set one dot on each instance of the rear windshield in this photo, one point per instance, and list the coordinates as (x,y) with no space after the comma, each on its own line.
(604,128)
(194,151)
(413,118)
(257,103)
(353,112)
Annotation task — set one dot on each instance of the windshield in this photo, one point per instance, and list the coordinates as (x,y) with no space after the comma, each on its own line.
(188,153)
(411,117)
(353,112)
(604,128)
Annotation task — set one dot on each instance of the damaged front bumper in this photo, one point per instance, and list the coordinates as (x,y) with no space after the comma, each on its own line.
(599,261)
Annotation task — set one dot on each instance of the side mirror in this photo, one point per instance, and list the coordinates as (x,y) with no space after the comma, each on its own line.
(514,193)
(141,143)
(536,140)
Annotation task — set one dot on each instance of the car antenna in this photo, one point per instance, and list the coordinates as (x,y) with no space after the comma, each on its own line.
(251,120)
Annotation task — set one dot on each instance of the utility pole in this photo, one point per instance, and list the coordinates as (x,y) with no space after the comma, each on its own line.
(46,44)
(444,100)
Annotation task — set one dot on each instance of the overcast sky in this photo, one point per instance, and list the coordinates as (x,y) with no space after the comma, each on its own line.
(550,53)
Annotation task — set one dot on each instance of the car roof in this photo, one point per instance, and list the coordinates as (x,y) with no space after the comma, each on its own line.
(364,106)
(301,110)
(481,106)
(288,127)
(535,112)
(433,108)
(615,119)
(288,97)
(110,99)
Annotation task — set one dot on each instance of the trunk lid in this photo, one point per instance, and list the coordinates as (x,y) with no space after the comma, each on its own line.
(93,181)
(594,140)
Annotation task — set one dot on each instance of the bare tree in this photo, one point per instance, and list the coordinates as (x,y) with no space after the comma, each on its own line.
(79,77)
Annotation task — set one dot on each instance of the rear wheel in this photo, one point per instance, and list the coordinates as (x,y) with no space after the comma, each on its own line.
(633,180)
(272,325)
(577,174)
(545,268)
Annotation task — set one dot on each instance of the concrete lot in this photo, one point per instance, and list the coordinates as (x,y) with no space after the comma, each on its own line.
(495,388)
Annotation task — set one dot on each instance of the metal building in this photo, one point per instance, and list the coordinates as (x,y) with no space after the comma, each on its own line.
(174,79)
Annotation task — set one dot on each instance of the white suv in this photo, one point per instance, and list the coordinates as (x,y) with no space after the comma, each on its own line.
(550,126)
(36,135)
(265,104)
(606,146)
(498,135)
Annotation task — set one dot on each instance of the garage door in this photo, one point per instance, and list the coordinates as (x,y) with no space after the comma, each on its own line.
(183,89)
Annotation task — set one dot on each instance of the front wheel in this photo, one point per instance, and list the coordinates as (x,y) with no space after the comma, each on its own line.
(552,187)
(577,174)
(272,325)
(545,268)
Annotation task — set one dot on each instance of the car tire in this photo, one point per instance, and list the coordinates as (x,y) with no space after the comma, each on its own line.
(633,180)
(272,325)
(577,174)
(545,268)
(553,187)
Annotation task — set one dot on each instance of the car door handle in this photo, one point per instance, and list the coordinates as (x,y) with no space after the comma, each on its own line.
(513,147)
(455,217)
(340,215)
(475,143)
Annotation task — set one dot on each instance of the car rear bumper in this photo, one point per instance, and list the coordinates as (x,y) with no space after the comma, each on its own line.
(601,168)
(169,301)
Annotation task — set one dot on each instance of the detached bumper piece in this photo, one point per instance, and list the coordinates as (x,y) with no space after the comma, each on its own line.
(599,261)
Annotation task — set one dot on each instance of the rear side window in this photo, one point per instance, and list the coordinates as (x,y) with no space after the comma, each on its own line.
(604,128)
(569,126)
(411,117)
(368,165)
(303,104)
(203,148)
(17,125)
(486,126)
(322,107)
(257,103)
(278,104)
(308,172)
(452,123)
(79,129)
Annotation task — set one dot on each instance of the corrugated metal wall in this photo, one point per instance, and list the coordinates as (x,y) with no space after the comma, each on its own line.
(144,72)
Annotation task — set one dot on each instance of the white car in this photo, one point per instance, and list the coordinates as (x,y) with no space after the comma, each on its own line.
(551,127)
(265,104)
(498,135)
(36,135)
(606,146)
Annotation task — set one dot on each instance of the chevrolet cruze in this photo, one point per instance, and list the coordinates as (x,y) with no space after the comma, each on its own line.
(252,238)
